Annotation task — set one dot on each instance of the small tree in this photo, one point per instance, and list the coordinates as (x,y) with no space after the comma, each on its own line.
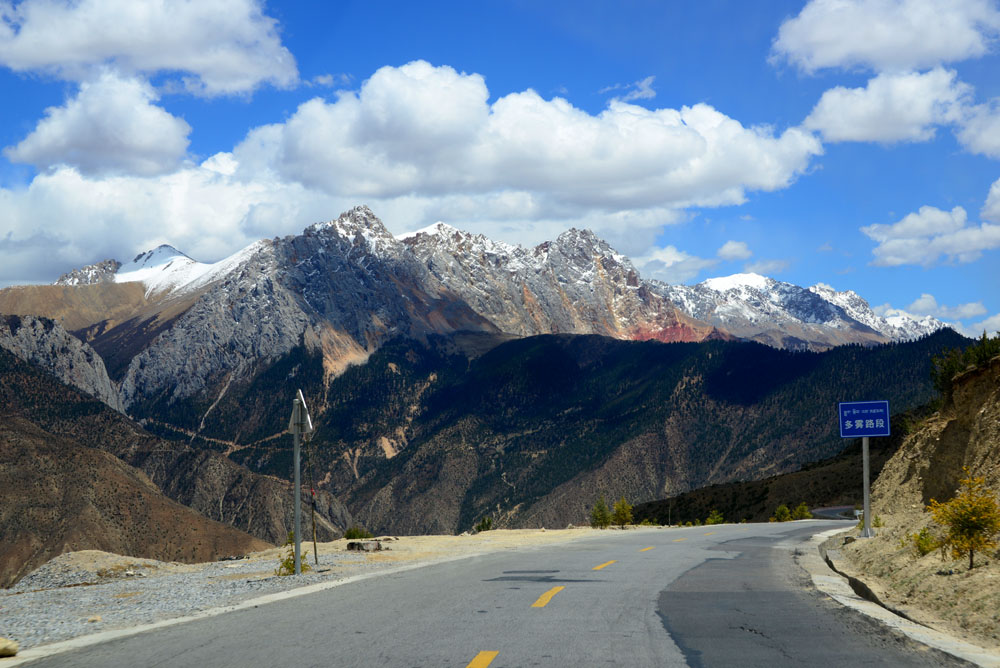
(287,564)
(485,524)
(600,516)
(715,517)
(801,512)
(623,513)
(971,519)
(781,514)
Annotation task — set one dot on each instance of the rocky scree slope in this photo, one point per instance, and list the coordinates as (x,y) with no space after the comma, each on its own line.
(46,344)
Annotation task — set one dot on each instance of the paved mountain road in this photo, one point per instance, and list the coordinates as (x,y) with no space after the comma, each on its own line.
(727,595)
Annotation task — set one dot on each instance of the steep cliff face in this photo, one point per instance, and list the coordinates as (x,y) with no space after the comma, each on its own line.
(45,343)
(930,463)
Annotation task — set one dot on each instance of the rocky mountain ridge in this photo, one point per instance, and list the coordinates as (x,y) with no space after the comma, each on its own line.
(45,343)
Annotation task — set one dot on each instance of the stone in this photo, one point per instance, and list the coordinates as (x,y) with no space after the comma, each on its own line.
(94,619)
(8,647)
(364,546)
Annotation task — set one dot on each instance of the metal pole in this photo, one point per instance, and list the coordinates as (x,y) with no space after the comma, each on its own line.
(298,500)
(867,531)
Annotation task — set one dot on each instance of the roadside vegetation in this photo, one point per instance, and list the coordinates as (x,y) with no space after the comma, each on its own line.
(971,520)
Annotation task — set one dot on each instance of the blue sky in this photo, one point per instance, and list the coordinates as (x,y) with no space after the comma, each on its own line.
(850,142)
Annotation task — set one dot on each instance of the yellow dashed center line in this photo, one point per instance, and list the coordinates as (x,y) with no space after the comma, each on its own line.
(677,540)
(544,599)
(646,549)
(709,533)
(606,563)
(482,660)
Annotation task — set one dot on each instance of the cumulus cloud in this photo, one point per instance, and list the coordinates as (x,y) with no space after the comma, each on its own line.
(891,108)
(926,304)
(991,210)
(979,131)
(923,237)
(420,129)
(111,126)
(886,34)
(220,46)
(734,250)
(767,267)
(671,265)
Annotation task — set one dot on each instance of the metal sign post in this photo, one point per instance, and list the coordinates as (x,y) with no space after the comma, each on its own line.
(864,419)
(299,424)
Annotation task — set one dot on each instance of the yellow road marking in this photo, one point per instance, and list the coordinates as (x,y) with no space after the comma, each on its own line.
(606,563)
(677,540)
(646,549)
(709,533)
(482,660)
(544,599)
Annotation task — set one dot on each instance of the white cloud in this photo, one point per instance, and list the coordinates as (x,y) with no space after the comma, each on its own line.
(734,250)
(640,90)
(767,267)
(671,265)
(891,108)
(926,304)
(991,210)
(224,46)
(420,129)
(979,131)
(111,126)
(886,34)
(927,235)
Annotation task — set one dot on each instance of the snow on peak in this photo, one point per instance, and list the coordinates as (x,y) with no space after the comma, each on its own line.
(167,270)
(437,229)
(724,283)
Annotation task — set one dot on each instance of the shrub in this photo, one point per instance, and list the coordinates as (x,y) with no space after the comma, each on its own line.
(971,519)
(801,512)
(356,533)
(781,514)
(923,542)
(646,522)
(715,517)
(287,564)
(697,522)
(485,524)
(623,513)
(600,516)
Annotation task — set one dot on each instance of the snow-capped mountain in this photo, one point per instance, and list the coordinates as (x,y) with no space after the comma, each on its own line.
(575,284)
(789,316)
(895,324)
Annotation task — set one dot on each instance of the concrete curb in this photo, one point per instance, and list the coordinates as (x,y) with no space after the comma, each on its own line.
(854,594)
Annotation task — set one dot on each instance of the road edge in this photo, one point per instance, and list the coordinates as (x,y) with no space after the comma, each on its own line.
(836,586)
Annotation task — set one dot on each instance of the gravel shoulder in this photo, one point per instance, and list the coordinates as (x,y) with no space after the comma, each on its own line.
(86,592)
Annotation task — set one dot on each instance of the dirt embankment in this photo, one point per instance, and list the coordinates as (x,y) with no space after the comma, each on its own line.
(934,588)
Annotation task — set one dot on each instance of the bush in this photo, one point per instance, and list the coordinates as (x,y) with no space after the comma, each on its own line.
(485,524)
(971,519)
(356,533)
(781,514)
(801,512)
(877,522)
(715,517)
(623,513)
(646,522)
(923,542)
(697,522)
(600,516)
(287,564)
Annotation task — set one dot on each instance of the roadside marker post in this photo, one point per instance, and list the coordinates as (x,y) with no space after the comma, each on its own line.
(864,419)
(299,424)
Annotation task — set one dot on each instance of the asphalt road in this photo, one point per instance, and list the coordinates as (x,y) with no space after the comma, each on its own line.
(727,595)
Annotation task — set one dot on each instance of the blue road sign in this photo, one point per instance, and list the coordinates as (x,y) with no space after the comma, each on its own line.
(864,418)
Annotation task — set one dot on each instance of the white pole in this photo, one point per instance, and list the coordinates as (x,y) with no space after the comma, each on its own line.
(867,531)
(298,501)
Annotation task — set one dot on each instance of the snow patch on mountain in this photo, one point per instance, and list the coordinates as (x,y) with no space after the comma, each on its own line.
(895,324)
